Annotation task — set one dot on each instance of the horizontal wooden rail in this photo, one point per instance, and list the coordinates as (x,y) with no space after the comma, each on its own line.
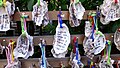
(52,15)
(49,39)
(55,62)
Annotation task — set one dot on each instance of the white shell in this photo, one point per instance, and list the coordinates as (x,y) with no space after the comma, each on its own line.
(117,39)
(92,48)
(40,13)
(61,39)
(22,48)
(110,11)
(76,11)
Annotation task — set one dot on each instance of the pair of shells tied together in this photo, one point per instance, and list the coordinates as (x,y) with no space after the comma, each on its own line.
(94,41)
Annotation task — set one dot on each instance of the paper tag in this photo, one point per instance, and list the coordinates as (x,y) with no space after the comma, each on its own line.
(61,39)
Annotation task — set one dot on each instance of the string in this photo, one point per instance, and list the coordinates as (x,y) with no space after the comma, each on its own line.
(91,65)
(74,47)
(92,30)
(77,1)
(77,53)
(105,52)
(43,55)
(109,50)
(12,50)
(25,25)
(22,25)
(7,56)
(1,3)
(4,3)
(96,26)
(38,1)
(116,1)
(60,18)
(72,0)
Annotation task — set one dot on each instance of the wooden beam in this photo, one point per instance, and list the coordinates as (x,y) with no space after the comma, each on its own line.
(49,39)
(55,62)
(52,15)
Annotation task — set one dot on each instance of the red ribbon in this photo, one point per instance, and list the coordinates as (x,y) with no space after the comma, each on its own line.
(116,1)
(119,29)
(74,47)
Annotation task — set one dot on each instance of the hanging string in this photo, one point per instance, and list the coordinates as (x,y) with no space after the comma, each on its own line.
(109,51)
(62,65)
(7,55)
(42,46)
(91,65)
(22,25)
(60,18)
(116,1)
(12,50)
(1,3)
(74,46)
(93,28)
(38,1)
(77,53)
(105,52)
(4,3)
(77,1)
(25,23)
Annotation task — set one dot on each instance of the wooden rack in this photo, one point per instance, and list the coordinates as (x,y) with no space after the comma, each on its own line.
(55,62)
(36,39)
(52,15)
